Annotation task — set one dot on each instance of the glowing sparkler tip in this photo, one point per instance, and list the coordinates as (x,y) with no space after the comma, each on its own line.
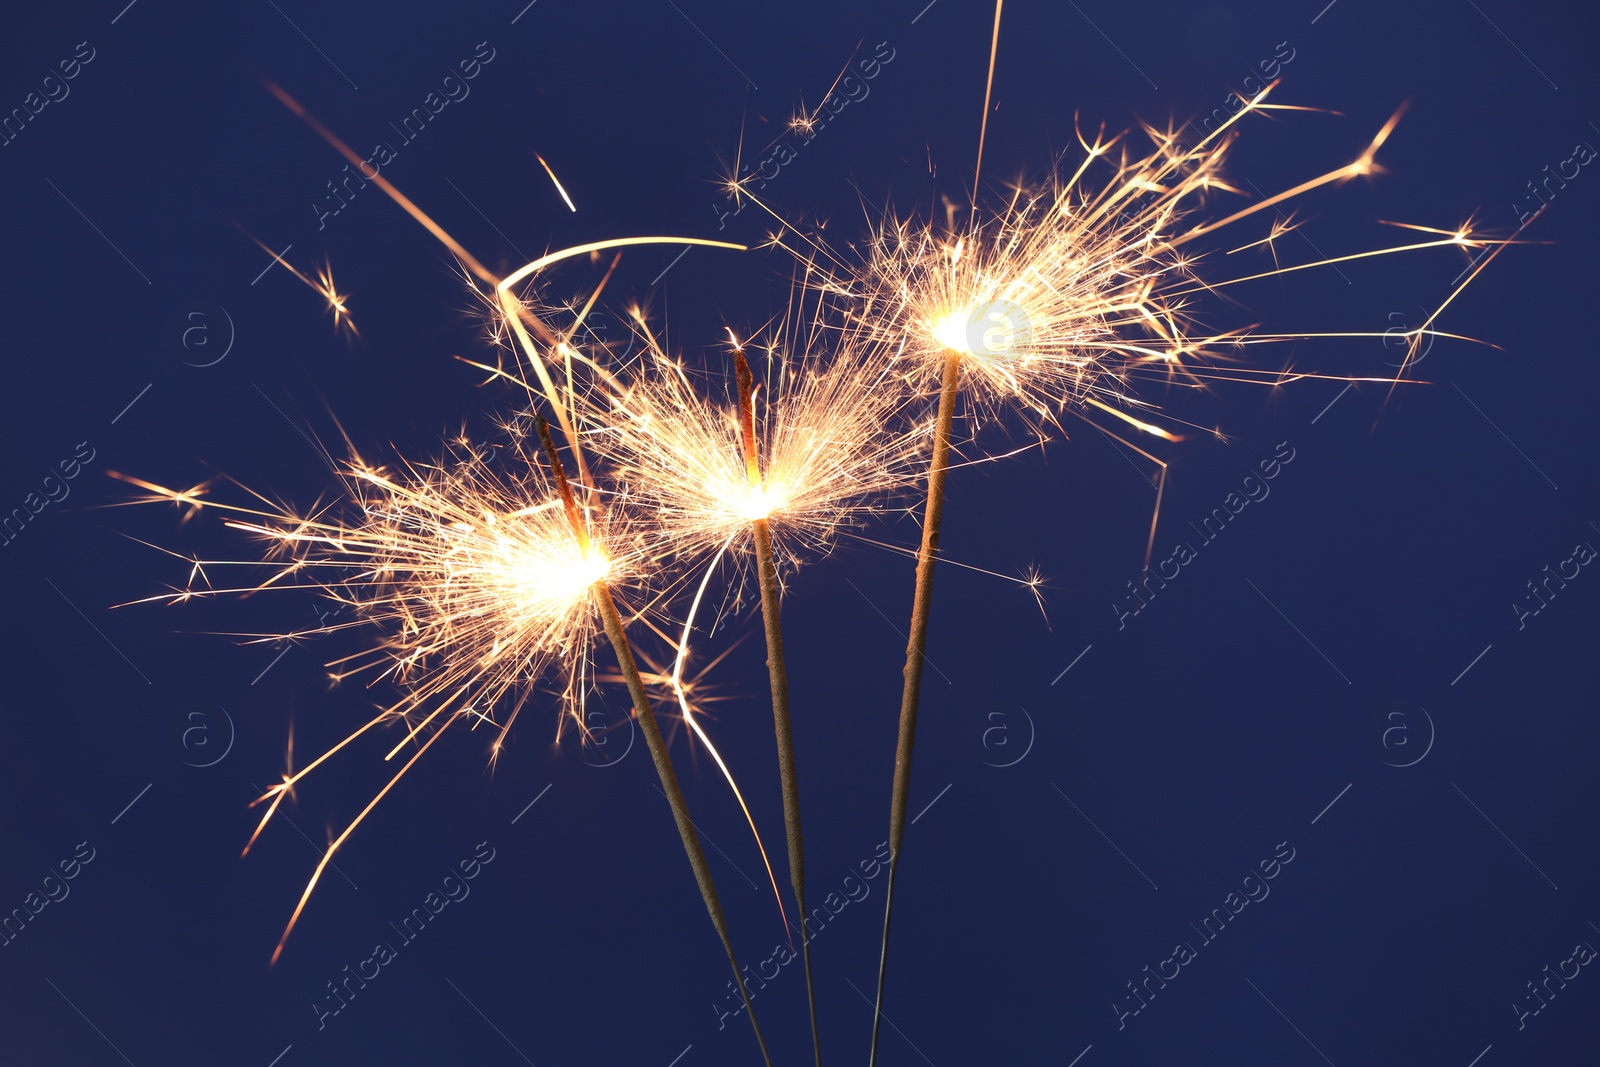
(593,567)
(950,330)
(752,503)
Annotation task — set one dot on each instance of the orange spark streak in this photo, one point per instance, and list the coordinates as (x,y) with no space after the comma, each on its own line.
(556,182)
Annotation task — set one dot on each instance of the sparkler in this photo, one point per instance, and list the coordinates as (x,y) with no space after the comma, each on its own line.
(471,575)
(707,476)
(480,581)
(778,671)
(1058,303)
(828,433)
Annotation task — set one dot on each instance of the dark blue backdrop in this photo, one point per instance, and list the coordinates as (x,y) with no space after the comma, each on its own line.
(1338,689)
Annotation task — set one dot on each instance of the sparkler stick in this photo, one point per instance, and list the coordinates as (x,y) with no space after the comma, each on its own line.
(988,87)
(922,600)
(767,575)
(1064,294)
(921,606)
(652,733)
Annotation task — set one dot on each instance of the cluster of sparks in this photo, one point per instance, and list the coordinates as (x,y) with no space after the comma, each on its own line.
(1072,291)
(471,569)
(472,573)
(819,458)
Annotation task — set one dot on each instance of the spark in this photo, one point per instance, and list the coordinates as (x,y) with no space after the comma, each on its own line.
(680,691)
(556,182)
(323,286)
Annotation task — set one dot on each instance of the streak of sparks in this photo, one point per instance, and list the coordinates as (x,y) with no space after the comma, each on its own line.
(323,286)
(557,183)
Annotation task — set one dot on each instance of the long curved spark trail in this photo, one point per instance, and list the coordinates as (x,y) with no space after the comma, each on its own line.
(686,709)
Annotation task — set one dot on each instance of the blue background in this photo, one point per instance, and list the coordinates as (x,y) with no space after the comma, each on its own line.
(1080,822)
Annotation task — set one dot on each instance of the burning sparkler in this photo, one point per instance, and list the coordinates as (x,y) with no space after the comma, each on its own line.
(618,636)
(470,574)
(816,457)
(1058,303)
